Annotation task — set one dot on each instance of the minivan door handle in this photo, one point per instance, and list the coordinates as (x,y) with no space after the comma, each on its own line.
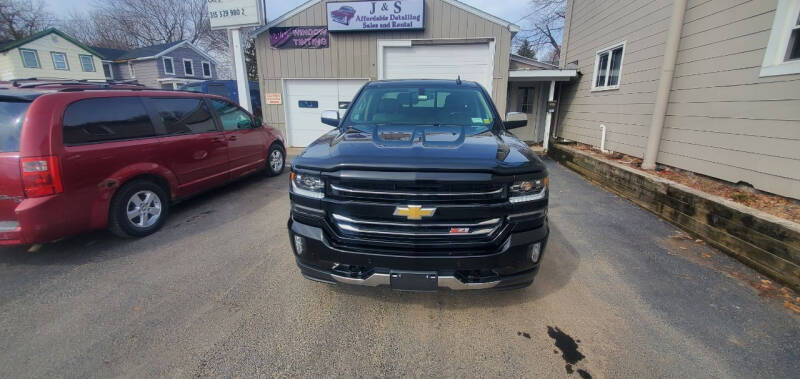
(232,138)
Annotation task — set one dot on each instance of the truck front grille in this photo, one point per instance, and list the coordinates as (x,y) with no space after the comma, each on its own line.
(407,230)
(438,192)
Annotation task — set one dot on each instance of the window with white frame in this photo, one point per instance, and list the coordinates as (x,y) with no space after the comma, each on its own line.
(30,58)
(206,69)
(188,67)
(608,68)
(169,66)
(131,70)
(782,56)
(107,71)
(59,61)
(87,63)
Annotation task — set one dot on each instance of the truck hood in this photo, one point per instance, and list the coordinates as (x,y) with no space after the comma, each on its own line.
(420,148)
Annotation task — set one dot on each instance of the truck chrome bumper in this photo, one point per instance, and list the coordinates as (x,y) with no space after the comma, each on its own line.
(378,279)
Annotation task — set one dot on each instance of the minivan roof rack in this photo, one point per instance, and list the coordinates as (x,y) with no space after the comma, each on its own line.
(37,82)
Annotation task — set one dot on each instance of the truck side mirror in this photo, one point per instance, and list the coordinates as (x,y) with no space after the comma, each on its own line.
(515,120)
(330,118)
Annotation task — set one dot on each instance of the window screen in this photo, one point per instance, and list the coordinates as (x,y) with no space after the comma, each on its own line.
(87,63)
(30,58)
(168,67)
(184,116)
(106,119)
(60,61)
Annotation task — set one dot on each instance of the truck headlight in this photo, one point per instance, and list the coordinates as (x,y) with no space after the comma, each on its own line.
(528,190)
(308,185)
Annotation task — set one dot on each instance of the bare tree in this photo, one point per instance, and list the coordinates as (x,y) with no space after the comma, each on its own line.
(128,24)
(546,25)
(96,28)
(21,18)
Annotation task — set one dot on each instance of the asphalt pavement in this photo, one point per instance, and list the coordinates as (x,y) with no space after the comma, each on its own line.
(216,293)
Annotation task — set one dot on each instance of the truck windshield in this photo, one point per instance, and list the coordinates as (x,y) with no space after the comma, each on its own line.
(12,113)
(430,106)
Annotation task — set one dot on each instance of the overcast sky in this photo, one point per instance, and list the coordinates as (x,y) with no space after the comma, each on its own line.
(510,10)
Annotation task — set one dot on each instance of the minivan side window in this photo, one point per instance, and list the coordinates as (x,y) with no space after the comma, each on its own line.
(184,116)
(106,119)
(231,116)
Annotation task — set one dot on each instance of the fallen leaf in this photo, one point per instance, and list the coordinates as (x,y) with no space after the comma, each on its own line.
(791,306)
(682,248)
(698,241)
(765,281)
(705,255)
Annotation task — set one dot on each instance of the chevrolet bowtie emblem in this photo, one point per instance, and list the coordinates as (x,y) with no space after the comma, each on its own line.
(414,212)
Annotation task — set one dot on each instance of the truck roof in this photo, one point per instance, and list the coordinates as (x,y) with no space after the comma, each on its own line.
(423,82)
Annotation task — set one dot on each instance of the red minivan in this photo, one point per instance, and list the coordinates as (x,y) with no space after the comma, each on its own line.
(75,158)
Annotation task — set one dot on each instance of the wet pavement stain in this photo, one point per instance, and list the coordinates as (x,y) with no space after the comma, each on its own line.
(569,350)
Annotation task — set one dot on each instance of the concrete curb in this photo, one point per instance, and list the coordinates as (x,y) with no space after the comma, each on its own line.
(767,243)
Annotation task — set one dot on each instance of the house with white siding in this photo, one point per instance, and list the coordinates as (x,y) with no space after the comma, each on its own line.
(708,86)
(50,53)
(167,66)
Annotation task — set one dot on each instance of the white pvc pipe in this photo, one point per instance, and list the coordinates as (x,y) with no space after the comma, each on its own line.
(603,138)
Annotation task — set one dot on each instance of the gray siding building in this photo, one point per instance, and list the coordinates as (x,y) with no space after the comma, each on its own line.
(165,66)
(451,40)
(730,106)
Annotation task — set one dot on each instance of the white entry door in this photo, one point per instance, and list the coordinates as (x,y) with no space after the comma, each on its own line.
(305,101)
(473,62)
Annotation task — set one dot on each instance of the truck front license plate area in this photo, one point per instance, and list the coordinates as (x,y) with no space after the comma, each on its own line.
(414,281)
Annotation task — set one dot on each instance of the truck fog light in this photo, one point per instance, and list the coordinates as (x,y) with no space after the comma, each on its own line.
(536,251)
(299,244)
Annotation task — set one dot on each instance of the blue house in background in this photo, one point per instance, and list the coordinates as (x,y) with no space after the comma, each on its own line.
(168,66)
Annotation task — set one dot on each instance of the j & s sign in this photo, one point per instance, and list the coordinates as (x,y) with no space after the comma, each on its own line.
(376,15)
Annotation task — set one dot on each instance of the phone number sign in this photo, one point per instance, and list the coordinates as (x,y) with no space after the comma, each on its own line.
(227,14)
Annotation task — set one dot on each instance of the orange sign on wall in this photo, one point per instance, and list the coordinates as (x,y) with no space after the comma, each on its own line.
(274,98)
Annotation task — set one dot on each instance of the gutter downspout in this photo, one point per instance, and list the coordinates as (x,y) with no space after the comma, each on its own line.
(664,84)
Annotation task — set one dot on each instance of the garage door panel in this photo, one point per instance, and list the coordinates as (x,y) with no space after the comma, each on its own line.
(470,61)
(303,123)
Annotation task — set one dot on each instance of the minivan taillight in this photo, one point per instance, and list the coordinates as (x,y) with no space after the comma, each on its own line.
(41,176)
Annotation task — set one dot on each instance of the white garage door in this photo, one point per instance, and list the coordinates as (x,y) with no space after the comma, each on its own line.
(470,61)
(305,101)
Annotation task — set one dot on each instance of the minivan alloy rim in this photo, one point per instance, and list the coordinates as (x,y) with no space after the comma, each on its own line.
(276,161)
(144,209)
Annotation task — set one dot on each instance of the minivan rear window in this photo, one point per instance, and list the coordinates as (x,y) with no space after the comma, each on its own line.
(105,120)
(12,113)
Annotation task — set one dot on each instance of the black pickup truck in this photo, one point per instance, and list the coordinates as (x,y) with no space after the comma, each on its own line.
(418,187)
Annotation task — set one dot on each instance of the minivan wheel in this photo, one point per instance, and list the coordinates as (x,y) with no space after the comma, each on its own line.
(138,209)
(276,160)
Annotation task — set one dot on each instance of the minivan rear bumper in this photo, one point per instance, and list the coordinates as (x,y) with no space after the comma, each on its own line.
(39,220)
